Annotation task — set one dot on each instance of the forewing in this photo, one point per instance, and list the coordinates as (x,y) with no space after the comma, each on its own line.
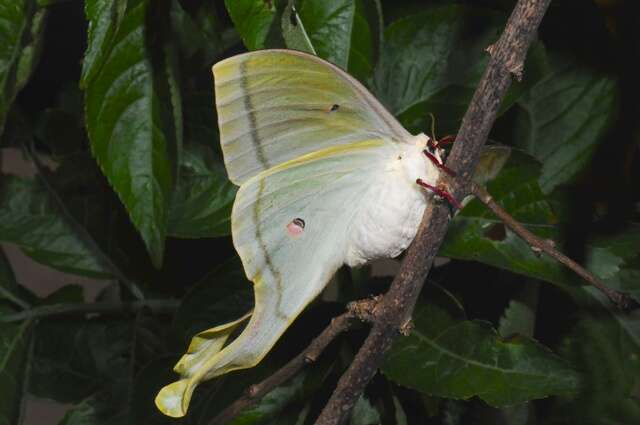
(276,105)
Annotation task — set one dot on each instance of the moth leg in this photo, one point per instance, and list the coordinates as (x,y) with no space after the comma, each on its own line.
(435,144)
(438,163)
(453,202)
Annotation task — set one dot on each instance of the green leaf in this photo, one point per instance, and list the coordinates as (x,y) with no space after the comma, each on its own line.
(272,403)
(520,316)
(519,319)
(104,17)
(221,296)
(10,290)
(131,136)
(330,24)
(293,31)
(563,117)
(361,52)
(461,359)
(14,358)
(610,366)
(197,34)
(364,413)
(253,20)
(432,61)
(21,23)
(30,219)
(74,360)
(203,197)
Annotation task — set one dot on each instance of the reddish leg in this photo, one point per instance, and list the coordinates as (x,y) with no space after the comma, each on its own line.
(435,144)
(442,193)
(439,164)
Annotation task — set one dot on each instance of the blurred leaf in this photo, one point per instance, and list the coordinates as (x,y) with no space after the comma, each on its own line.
(61,127)
(72,361)
(103,408)
(14,359)
(361,52)
(203,197)
(30,219)
(10,290)
(519,319)
(21,23)
(252,19)
(272,403)
(616,260)
(153,376)
(461,359)
(61,131)
(520,316)
(331,26)
(130,131)
(293,31)
(431,62)
(610,364)
(400,414)
(221,296)
(563,117)
(197,34)
(104,17)
(364,413)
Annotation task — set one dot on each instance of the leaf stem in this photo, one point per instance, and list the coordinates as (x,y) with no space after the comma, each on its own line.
(157,306)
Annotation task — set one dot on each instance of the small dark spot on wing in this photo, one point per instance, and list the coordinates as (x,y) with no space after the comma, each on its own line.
(295,227)
(334,107)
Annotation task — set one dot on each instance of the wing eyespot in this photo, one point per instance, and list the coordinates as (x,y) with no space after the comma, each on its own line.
(296,227)
(334,107)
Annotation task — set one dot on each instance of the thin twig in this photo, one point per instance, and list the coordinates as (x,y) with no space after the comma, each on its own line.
(621,300)
(158,306)
(358,309)
(507,57)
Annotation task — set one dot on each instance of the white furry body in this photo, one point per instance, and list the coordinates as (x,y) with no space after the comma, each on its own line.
(397,204)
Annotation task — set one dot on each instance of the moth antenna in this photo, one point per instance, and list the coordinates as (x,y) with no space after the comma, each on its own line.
(441,193)
(433,141)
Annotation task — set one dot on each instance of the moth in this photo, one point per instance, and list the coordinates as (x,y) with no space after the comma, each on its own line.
(327,177)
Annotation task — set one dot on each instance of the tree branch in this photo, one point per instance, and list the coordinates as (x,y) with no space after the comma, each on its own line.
(507,58)
(358,309)
(621,300)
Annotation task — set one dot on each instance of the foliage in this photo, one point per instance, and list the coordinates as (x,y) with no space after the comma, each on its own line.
(135,191)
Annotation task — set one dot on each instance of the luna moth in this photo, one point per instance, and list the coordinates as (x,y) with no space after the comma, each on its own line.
(327,177)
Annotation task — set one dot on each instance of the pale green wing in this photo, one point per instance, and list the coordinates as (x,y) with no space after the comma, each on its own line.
(276,105)
(291,226)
